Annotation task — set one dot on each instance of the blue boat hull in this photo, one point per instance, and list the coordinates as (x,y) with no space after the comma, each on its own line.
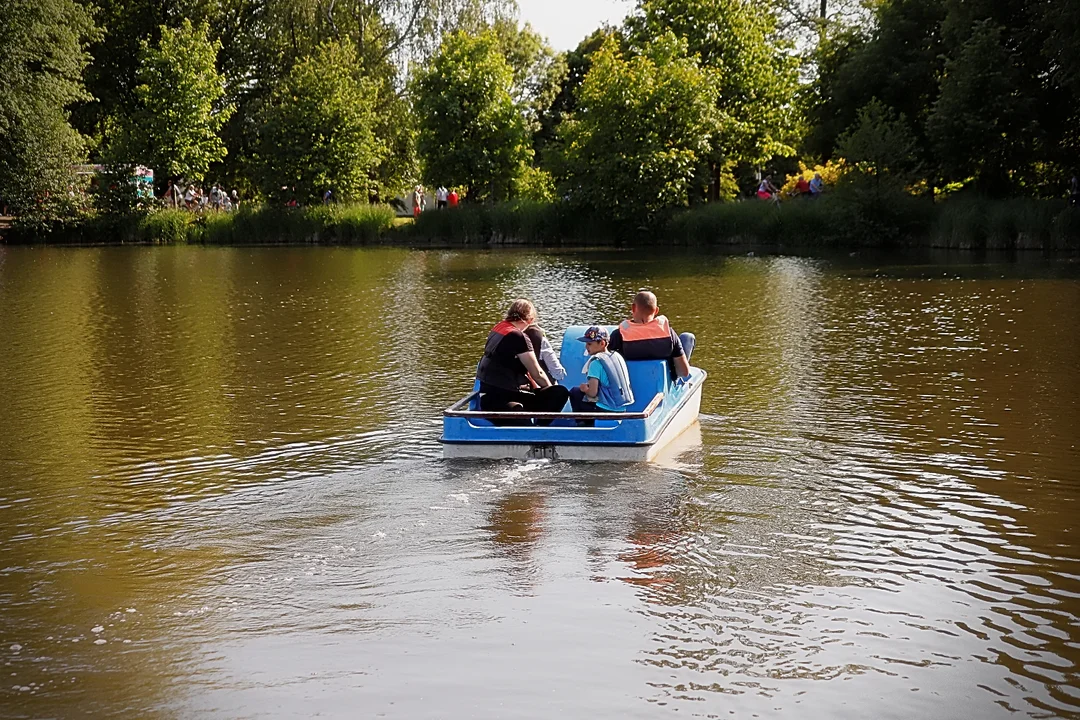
(662,411)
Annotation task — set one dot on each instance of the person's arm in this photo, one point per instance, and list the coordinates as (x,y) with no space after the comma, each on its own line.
(528,359)
(591,389)
(547,354)
(678,356)
(682,367)
(615,343)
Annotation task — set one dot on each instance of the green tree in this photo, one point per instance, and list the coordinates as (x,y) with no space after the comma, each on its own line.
(642,130)
(470,131)
(757,75)
(43,43)
(1060,20)
(538,70)
(174,128)
(881,149)
(318,129)
(898,61)
(113,75)
(977,125)
(577,63)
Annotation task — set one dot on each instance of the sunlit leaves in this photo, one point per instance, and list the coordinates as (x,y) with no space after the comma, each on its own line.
(471,132)
(318,130)
(643,127)
(175,127)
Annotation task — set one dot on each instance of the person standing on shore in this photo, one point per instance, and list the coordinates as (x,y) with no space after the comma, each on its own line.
(440,198)
(1074,191)
(418,201)
(452,198)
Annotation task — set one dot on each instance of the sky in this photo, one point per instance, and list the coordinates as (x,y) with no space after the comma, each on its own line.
(565,23)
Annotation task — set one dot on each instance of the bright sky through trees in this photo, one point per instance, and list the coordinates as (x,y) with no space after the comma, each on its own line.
(565,23)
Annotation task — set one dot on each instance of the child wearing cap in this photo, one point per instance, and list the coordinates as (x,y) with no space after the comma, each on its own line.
(607,384)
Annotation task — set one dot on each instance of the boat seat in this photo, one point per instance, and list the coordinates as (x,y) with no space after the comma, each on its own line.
(647,377)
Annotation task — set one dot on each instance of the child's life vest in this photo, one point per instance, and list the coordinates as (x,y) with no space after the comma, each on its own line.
(616,393)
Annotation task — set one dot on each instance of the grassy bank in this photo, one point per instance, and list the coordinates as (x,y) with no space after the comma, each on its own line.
(830,221)
(963,223)
(332,224)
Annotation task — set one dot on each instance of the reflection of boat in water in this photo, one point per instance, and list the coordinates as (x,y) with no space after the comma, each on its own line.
(661,412)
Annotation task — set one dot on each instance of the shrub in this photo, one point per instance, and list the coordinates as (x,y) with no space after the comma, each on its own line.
(164,227)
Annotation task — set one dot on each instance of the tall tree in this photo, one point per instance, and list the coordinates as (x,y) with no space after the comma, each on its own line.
(174,127)
(978,124)
(538,70)
(577,63)
(758,76)
(899,62)
(125,24)
(643,128)
(43,43)
(262,40)
(318,129)
(471,133)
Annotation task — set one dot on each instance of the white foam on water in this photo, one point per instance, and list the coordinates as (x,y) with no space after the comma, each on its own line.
(16,647)
(378,534)
(131,610)
(462,498)
(100,641)
(96,629)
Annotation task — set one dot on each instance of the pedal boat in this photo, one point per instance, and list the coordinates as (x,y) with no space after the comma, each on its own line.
(661,412)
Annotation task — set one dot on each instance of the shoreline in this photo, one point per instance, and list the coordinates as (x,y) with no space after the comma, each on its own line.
(970,224)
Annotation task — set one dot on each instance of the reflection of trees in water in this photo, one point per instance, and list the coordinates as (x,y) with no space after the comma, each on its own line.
(516,524)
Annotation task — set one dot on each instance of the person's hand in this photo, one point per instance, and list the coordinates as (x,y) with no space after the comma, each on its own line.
(584,387)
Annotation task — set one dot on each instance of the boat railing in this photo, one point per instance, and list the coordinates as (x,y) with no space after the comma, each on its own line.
(459,409)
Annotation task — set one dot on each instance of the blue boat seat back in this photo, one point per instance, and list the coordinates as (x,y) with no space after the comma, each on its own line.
(572,355)
(647,377)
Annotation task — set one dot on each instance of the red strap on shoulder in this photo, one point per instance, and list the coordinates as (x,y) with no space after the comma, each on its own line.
(504,328)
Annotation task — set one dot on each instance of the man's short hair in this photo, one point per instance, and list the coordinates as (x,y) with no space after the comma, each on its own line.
(645,300)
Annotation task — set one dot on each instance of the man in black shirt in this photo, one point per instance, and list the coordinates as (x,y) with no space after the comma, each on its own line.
(648,336)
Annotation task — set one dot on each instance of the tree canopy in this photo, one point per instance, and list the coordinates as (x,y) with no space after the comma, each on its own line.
(175,125)
(43,43)
(471,133)
(641,132)
(318,130)
(369,97)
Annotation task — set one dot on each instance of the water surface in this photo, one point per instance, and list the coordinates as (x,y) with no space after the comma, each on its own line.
(222,494)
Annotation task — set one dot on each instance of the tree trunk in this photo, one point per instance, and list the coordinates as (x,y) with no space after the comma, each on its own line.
(824,7)
(714,182)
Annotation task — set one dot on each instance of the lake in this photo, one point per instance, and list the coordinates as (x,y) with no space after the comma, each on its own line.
(222,493)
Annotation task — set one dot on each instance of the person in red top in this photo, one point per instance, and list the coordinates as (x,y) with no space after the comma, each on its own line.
(646,335)
(802,187)
(510,375)
(452,198)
